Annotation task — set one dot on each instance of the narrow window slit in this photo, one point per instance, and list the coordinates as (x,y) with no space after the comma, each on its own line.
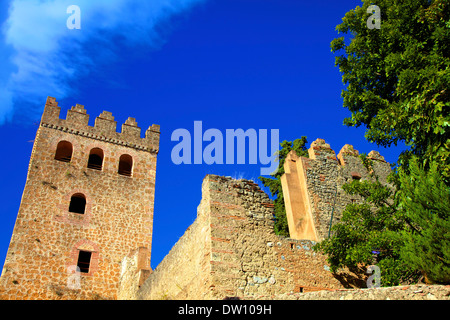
(84,261)
(125,165)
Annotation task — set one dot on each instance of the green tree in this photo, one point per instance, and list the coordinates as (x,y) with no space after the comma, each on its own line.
(274,183)
(367,230)
(397,86)
(398,77)
(425,202)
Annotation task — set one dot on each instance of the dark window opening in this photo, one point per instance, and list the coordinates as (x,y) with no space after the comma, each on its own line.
(77,203)
(125,165)
(84,261)
(95,159)
(64,151)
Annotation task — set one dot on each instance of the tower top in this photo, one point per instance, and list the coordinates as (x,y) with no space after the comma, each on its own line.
(104,129)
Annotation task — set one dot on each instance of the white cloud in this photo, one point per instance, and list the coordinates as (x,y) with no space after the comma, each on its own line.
(46,57)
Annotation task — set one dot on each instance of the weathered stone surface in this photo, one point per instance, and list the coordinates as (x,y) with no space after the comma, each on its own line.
(312,187)
(118,216)
(413,292)
(231,250)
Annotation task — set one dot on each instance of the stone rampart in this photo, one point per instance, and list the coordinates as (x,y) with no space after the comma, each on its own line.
(312,187)
(231,250)
(80,208)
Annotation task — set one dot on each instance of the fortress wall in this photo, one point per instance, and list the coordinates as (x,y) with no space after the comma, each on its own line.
(185,272)
(231,250)
(134,271)
(248,259)
(314,197)
(402,292)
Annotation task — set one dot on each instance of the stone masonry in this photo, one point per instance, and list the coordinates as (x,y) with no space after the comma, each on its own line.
(231,250)
(80,208)
(403,292)
(312,187)
(84,227)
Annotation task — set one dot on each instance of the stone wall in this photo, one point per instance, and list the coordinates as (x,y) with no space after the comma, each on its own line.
(117,219)
(312,187)
(185,272)
(134,271)
(407,292)
(231,250)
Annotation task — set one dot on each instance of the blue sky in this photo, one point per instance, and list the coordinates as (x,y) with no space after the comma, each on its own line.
(228,63)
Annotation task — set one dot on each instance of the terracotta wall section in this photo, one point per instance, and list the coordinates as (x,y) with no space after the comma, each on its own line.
(297,203)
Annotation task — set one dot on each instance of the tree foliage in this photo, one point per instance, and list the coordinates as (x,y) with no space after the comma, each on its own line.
(398,77)
(367,230)
(408,228)
(274,183)
(425,203)
(397,86)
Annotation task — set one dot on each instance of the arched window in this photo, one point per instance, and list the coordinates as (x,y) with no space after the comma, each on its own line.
(77,203)
(125,165)
(64,151)
(95,159)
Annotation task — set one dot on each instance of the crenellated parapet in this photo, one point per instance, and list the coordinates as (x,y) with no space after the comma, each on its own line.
(312,187)
(319,149)
(375,155)
(346,153)
(104,129)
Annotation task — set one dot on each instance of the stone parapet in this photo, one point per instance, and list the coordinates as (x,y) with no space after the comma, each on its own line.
(104,129)
(312,187)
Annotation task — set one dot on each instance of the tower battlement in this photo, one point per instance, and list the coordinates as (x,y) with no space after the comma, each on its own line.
(312,187)
(104,129)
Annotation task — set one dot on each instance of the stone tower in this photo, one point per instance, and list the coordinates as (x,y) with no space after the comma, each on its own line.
(87,203)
